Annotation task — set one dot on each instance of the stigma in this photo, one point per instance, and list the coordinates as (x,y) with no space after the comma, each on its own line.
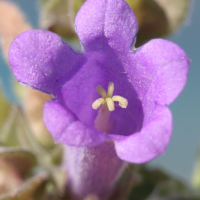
(107,100)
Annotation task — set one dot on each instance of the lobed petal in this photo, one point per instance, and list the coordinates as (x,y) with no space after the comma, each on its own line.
(159,70)
(40,59)
(150,142)
(101,22)
(65,127)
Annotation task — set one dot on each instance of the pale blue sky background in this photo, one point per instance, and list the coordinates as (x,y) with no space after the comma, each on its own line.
(182,151)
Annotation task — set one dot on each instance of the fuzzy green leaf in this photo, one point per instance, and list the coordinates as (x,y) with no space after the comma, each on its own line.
(158,18)
(5,109)
(155,183)
(22,159)
(16,133)
(26,191)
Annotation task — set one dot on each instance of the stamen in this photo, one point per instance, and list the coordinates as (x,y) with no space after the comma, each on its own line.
(106,104)
(98,103)
(101,91)
(110,89)
(110,104)
(122,101)
(107,100)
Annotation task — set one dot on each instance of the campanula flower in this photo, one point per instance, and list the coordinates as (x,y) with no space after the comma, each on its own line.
(110,100)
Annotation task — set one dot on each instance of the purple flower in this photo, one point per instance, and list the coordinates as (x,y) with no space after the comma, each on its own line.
(143,83)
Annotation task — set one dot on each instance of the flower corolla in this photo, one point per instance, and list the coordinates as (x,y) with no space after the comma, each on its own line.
(141,82)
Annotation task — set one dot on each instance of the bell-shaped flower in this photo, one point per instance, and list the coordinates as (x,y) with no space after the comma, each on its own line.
(141,82)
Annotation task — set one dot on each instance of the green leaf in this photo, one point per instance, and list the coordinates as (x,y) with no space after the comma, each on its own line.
(128,180)
(16,133)
(57,154)
(175,10)
(8,172)
(59,177)
(8,134)
(196,173)
(155,183)
(158,18)
(5,109)
(177,197)
(26,191)
(91,197)
(58,16)
(22,159)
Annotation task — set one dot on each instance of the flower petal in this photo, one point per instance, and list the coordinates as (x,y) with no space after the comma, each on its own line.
(150,142)
(39,59)
(57,118)
(65,127)
(101,22)
(81,135)
(159,71)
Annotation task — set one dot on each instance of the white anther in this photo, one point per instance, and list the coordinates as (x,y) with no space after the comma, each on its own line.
(98,103)
(110,89)
(122,101)
(101,91)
